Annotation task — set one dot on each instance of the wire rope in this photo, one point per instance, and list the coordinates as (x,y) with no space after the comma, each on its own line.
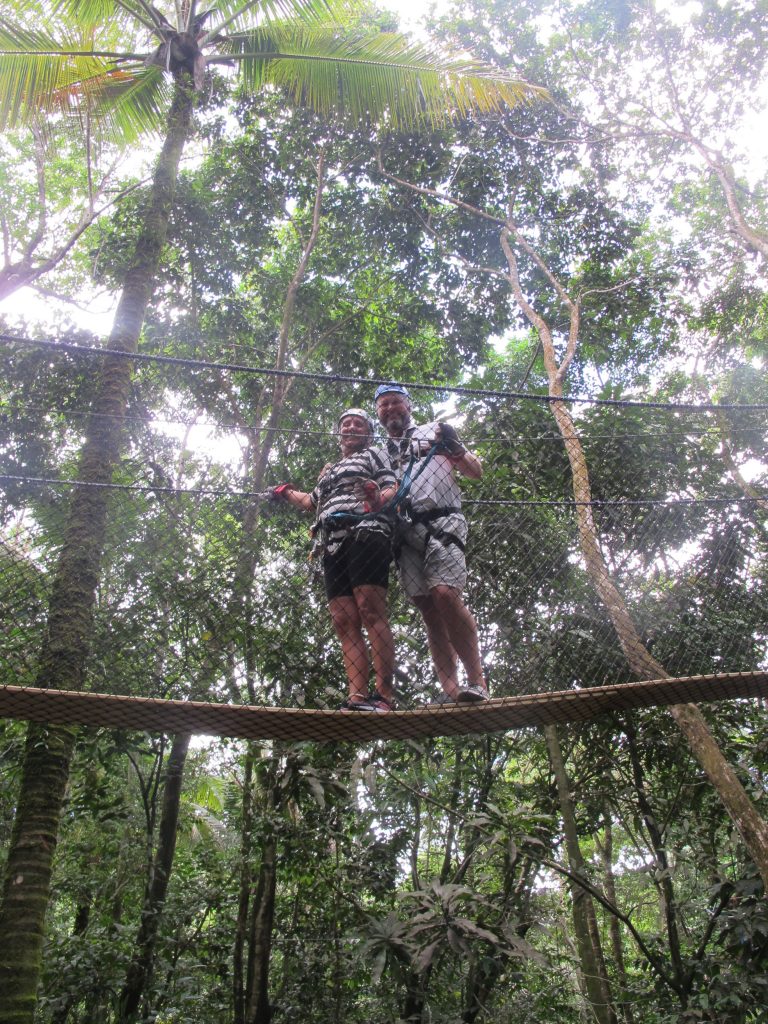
(264,495)
(336,378)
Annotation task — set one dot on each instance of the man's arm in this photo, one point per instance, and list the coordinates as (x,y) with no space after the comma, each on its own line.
(468,465)
(464,461)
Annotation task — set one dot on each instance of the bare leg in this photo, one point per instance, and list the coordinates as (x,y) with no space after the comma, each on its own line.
(372,608)
(348,626)
(440,646)
(461,627)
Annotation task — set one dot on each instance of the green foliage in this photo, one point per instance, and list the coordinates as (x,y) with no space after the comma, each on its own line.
(421,880)
(296,46)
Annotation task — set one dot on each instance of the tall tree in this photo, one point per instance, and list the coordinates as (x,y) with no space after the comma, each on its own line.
(311,61)
(53,187)
(588,942)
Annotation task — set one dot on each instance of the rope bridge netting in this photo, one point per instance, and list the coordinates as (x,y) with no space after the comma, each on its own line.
(209,617)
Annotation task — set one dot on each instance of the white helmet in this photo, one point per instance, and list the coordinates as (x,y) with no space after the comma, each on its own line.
(362,414)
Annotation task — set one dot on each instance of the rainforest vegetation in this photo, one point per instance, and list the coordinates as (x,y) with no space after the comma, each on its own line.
(557,225)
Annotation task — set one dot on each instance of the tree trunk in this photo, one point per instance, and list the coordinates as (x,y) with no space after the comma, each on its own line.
(663,878)
(752,828)
(241,926)
(689,719)
(593,970)
(755,494)
(79,928)
(140,969)
(32,265)
(251,994)
(605,850)
(28,869)
(62,663)
(258,1009)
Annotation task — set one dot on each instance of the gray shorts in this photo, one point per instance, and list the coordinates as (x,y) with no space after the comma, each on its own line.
(428,555)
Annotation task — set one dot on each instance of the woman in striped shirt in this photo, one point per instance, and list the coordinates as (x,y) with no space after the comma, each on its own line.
(355,530)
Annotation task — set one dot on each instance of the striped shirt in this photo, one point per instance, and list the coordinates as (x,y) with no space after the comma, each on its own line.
(335,493)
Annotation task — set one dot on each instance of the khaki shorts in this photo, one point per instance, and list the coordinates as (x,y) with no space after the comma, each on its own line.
(428,555)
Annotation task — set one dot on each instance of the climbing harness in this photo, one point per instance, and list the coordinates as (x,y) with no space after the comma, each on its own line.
(341,519)
(426,519)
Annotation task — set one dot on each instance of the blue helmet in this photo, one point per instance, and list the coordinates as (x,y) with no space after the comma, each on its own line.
(385,389)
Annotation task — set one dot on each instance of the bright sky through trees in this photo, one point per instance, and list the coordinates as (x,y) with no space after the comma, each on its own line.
(94,312)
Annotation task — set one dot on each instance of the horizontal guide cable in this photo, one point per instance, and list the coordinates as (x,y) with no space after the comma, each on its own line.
(336,378)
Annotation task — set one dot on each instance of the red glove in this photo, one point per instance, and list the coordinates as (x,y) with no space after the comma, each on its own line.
(370,493)
(279,493)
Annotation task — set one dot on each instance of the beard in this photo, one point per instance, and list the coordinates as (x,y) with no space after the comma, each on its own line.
(395,423)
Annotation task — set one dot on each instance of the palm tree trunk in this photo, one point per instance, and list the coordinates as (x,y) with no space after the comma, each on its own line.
(28,869)
(62,663)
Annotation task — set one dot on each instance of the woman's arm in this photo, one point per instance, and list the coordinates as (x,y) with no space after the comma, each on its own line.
(373,496)
(289,493)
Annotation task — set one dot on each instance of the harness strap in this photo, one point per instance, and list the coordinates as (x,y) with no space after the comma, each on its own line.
(446,538)
(400,495)
(432,513)
(427,519)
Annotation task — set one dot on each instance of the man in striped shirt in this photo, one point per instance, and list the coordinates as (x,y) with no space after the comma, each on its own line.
(355,532)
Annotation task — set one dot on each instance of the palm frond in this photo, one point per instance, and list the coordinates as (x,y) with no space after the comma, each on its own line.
(50,77)
(240,16)
(87,12)
(35,73)
(375,75)
(367,77)
(131,105)
(103,12)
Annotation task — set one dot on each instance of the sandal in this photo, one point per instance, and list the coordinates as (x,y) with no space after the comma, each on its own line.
(375,703)
(472,694)
(381,703)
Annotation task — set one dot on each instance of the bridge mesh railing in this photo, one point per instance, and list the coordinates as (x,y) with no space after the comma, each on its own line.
(173,618)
